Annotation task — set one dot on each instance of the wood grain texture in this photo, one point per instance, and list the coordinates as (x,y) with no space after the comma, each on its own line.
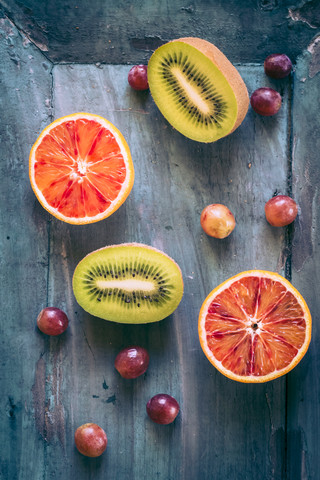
(303,382)
(25,101)
(127,32)
(224,427)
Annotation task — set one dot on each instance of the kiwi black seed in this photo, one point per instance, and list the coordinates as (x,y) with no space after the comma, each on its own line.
(196,79)
(161,292)
(128,283)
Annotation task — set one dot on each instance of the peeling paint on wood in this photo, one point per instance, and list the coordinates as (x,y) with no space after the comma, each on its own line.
(307,12)
(314,50)
(39,396)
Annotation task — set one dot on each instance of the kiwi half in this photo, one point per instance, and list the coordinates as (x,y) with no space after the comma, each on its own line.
(197,89)
(128,283)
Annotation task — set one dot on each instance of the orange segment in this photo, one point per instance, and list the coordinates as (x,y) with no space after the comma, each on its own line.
(255,326)
(87,132)
(81,168)
(291,330)
(238,359)
(49,152)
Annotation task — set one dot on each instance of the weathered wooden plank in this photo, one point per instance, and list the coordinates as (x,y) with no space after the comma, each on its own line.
(303,382)
(25,109)
(225,429)
(127,32)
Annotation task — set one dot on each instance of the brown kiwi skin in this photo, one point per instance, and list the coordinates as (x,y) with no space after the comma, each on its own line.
(230,72)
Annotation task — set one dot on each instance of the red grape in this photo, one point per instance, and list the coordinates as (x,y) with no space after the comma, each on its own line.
(163,408)
(52,321)
(217,220)
(91,440)
(131,362)
(277,65)
(138,78)
(281,210)
(266,101)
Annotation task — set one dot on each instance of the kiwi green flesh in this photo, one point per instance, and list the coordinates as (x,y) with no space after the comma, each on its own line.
(191,92)
(128,283)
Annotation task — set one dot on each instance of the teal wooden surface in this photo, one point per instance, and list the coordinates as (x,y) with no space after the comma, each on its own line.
(25,73)
(236,171)
(225,430)
(128,31)
(303,382)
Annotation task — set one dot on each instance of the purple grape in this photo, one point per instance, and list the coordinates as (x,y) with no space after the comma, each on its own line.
(138,78)
(277,65)
(131,362)
(163,408)
(52,321)
(265,101)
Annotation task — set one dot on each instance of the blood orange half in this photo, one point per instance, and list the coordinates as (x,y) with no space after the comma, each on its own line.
(255,327)
(81,168)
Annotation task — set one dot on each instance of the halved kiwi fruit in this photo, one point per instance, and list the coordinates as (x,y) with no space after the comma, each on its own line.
(197,89)
(128,283)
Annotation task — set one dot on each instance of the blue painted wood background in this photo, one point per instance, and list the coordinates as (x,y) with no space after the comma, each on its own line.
(50,386)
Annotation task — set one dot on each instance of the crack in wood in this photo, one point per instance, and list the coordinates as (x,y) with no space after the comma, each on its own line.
(47,400)
(28,29)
